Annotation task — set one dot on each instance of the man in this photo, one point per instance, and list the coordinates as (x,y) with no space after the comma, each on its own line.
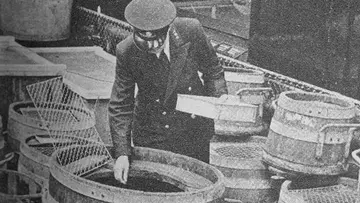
(163,57)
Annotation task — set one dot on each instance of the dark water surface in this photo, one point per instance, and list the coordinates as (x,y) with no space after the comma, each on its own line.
(139,183)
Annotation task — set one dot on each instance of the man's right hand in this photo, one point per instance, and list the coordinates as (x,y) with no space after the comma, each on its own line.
(121,169)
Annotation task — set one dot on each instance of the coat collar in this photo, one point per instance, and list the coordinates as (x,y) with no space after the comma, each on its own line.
(178,55)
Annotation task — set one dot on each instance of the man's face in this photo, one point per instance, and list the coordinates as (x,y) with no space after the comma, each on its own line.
(151,41)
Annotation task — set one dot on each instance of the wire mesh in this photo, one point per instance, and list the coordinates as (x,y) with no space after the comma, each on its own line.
(243,151)
(108,30)
(330,194)
(69,122)
(47,151)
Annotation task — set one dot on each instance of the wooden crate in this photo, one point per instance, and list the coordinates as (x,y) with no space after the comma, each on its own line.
(90,73)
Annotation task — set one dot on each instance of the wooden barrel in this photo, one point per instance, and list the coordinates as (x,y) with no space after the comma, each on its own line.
(320,190)
(246,178)
(186,180)
(24,121)
(310,134)
(39,20)
(34,159)
(16,187)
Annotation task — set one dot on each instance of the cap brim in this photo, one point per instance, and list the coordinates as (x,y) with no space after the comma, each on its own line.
(150,14)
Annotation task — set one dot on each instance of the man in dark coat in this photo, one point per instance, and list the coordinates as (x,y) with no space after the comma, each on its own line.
(163,57)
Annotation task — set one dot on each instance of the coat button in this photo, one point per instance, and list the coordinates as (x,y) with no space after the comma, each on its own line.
(193,116)
(189,89)
(164,113)
(167,126)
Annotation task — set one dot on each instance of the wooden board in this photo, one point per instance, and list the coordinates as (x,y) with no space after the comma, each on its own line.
(90,70)
(90,73)
(211,107)
(16,60)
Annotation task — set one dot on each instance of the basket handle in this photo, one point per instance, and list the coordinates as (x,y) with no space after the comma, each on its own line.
(356,157)
(233,200)
(322,136)
(260,90)
(264,91)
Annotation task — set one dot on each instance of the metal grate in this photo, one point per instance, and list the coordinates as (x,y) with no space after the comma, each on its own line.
(243,151)
(331,194)
(69,122)
(109,30)
(48,151)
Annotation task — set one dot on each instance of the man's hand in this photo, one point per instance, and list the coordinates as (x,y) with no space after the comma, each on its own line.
(121,169)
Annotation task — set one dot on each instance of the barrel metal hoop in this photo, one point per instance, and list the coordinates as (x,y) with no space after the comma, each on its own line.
(285,196)
(306,169)
(47,198)
(314,109)
(305,135)
(33,154)
(241,183)
(113,194)
(80,185)
(239,129)
(39,179)
(39,169)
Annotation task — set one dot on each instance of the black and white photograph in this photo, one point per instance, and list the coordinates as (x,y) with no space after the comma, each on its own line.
(179,101)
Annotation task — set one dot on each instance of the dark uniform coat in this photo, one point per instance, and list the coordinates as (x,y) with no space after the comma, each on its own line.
(151,117)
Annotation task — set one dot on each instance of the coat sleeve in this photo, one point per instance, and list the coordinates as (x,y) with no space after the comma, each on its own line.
(212,71)
(121,105)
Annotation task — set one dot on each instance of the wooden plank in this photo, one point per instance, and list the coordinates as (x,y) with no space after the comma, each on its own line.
(206,3)
(105,55)
(31,55)
(90,70)
(16,60)
(211,107)
(65,49)
(88,88)
(32,69)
